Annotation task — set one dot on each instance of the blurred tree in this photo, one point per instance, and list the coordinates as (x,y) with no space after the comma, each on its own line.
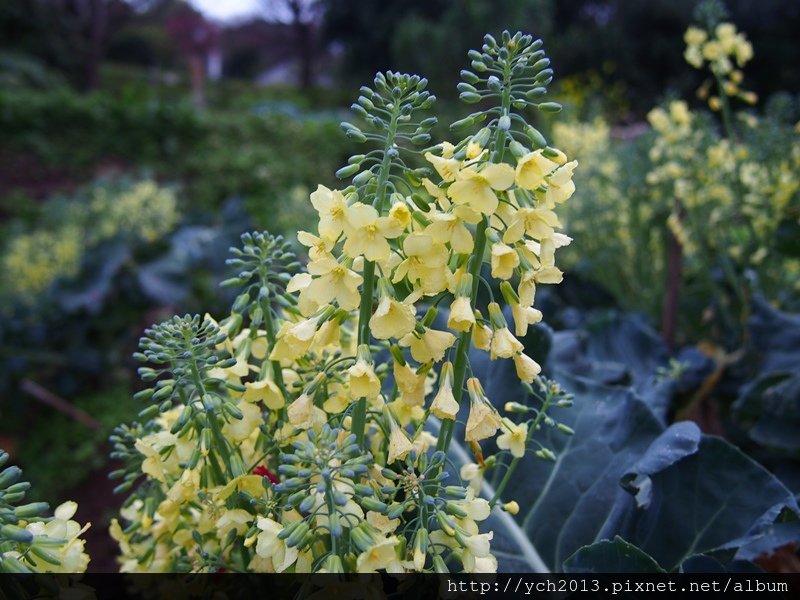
(195,37)
(637,43)
(302,16)
(71,35)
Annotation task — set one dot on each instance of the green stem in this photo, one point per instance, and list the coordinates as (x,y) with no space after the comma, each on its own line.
(465,340)
(368,290)
(269,325)
(476,261)
(515,462)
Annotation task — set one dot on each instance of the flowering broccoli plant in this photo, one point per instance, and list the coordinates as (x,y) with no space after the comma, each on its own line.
(311,429)
(732,189)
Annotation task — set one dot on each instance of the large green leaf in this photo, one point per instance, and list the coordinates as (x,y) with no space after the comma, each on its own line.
(702,502)
(671,492)
(617,556)
(769,406)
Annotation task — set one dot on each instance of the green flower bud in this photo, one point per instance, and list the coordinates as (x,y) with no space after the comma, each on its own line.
(27,511)
(18,534)
(545,454)
(535,136)
(45,555)
(549,107)
(469,97)
(9,476)
(374,505)
(348,171)
(333,564)
(541,64)
(439,565)
(455,491)
(297,534)
(565,429)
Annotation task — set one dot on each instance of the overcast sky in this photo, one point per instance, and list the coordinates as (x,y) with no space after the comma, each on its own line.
(227,10)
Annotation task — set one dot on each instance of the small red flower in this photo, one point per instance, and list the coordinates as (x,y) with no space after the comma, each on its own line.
(265,472)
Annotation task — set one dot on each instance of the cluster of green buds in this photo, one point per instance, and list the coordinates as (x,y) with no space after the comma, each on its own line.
(30,540)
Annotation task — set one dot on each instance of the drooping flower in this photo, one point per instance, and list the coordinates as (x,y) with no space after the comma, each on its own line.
(461,317)
(504,260)
(429,345)
(392,318)
(527,368)
(483,421)
(444,404)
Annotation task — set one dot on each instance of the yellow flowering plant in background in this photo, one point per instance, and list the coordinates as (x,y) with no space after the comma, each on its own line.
(728,191)
(32,262)
(697,212)
(310,429)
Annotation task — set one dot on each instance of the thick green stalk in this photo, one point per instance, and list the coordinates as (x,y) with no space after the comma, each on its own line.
(476,261)
(465,340)
(368,289)
(269,325)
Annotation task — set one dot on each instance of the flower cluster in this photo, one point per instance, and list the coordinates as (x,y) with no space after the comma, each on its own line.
(33,262)
(309,429)
(30,541)
(725,51)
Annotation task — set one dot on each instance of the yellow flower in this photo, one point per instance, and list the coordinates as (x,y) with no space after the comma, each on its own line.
(461,317)
(332,281)
(301,411)
(479,545)
(694,36)
(318,247)
(269,546)
(504,344)
(448,228)
(513,438)
(482,334)
(382,523)
(472,473)
(380,556)
(265,391)
(476,189)
(504,260)
(399,216)
(428,346)
(399,444)
(392,319)
(367,233)
(447,167)
(444,404)
(240,429)
(560,186)
(483,421)
(537,223)
(410,384)
(363,381)
(524,316)
(331,206)
(425,264)
(527,368)
(532,170)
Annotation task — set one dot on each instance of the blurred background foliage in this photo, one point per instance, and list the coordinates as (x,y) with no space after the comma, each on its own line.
(139,138)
